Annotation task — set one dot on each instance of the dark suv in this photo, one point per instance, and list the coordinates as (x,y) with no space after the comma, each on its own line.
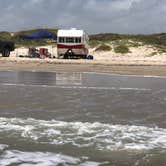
(6,47)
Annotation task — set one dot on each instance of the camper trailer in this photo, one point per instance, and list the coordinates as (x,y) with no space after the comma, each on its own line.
(72,43)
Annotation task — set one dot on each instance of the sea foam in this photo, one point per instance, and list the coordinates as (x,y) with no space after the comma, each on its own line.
(41,159)
(98,136)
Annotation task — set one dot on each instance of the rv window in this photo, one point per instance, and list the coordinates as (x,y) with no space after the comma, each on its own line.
(61,40)
(78,40)
(69,40)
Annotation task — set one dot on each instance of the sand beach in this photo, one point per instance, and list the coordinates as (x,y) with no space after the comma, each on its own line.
(139,61)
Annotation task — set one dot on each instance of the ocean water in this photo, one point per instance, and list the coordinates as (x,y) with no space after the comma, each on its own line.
(81,119)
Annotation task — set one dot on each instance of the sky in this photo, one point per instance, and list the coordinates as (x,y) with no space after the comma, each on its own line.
(94,16)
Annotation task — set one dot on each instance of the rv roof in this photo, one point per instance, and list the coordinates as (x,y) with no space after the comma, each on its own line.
(70,33)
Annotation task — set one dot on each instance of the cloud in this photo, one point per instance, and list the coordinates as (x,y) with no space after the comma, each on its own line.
(118,16)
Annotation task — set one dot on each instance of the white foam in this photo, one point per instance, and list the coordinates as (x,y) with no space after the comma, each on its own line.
(89,164)
(3,146)
(40,159)
(78,87)
(10,157)
(93,135)
(126,75)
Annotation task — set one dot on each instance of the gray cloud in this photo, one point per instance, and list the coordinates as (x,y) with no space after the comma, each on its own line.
(118,16)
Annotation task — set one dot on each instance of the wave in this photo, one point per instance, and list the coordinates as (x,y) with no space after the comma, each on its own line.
(126,75)
(78,87)
(96,135)
(15,157)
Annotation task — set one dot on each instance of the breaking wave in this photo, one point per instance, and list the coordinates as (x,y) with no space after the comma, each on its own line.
(10,157)
(96,135)
(78,87)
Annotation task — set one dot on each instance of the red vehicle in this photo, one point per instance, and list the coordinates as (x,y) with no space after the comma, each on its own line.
(41,53)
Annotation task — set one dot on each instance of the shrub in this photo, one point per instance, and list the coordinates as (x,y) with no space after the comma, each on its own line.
(123,49)
(103,47)
(94,43)
(152,54)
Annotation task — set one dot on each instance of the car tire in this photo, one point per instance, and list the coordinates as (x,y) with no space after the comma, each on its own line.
(6,52)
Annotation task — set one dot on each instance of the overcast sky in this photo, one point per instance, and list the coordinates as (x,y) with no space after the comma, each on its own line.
(116,16)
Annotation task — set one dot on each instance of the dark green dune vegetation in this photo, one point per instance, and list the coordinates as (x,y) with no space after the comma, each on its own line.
(121,41)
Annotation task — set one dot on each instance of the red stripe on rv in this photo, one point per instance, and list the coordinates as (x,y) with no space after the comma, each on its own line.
(71,46)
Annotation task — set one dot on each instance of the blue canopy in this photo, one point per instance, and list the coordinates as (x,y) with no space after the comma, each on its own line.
(40,34)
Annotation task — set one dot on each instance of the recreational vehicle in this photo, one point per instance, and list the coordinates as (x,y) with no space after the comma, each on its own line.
(72,43)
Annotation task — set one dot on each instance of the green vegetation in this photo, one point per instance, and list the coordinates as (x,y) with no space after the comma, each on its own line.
(152,54)
(5,36)
(103,47)
(94,43)
(128,43)
(122,49)
(156,40)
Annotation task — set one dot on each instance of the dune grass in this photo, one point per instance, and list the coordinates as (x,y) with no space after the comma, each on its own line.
(103,47)
(123,49)
(156,40)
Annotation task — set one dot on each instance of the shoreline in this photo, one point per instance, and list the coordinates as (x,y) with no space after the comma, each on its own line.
(149,68)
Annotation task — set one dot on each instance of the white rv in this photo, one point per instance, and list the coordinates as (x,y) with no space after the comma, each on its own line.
(72,43)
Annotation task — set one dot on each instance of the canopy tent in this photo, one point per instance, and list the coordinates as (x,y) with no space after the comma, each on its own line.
(40,34)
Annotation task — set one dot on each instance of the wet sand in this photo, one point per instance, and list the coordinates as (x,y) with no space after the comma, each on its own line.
(54,65)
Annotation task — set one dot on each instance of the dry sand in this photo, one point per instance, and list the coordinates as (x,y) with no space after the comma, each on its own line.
(140,61)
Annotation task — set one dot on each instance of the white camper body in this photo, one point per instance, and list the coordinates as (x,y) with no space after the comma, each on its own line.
(72,43)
